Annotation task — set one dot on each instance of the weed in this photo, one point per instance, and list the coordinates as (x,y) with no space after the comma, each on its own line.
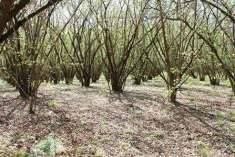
(99,152)
(231,114)
(203,150)
(21,153)
(79,151)
(125,145)
(157,136)
(53,104)
(50,146)
(220,115)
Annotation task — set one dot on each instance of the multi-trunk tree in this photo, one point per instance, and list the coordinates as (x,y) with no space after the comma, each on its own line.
(216,16)
(82,45)
(174,47)
(11,9)
(121,23)
(25,58)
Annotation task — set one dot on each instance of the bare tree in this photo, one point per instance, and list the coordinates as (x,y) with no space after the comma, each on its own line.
(10,9)
(217,16)
(24,60)
(121,23)
(174,48)
(82,44)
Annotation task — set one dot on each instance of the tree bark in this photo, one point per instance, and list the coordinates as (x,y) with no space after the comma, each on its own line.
(137,81)
(31,106)
(172,95)
(171,87)
(214,81)
(8,11)
(116,87)
(94,80)
(202,77)
(86,81)
(232,82)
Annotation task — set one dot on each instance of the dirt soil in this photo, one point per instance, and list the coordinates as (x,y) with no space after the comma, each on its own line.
(136,123)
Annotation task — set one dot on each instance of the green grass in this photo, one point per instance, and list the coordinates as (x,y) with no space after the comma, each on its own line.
(53,104)
(21,153)
(50,146)
(203,150)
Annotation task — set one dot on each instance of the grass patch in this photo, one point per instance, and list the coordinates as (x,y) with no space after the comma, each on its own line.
(53,104)
(203,150)
(50,146)
(21,153)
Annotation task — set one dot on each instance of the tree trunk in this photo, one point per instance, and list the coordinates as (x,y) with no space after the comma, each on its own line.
(145,79)
(29,96)
(31,110)
(214,81)
(116,87)
(55,78)
(150,77)
(68,81)
(193,75)
(232,82)
(171,87)
(172,95)
(31,105)
(86,82)
(55,81)
(137,81)
(94,80)
(202,77)
(23,95)
(233,89)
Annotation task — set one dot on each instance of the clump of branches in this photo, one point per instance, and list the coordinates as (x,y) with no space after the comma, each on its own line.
(81,46)
(65,68)
(144,70)
(97,69)
(121,33)
(68,72)
(11,9)
(174,47)
(213,70)
(138,73)
(55,72)
(25,57)
(216,21)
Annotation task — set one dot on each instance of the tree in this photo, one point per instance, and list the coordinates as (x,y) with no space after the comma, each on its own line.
(174,48)
(83,45)
(121,32)
(11,9)
(217,16)
(25,56)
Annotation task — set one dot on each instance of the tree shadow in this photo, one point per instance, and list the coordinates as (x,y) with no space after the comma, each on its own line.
(10,107)
(184,112)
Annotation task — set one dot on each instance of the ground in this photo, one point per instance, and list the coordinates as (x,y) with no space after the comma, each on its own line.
(137,123)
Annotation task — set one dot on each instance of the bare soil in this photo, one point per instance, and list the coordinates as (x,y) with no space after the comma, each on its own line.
(137,123)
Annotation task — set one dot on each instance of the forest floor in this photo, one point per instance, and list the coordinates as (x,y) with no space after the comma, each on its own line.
(136,123)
